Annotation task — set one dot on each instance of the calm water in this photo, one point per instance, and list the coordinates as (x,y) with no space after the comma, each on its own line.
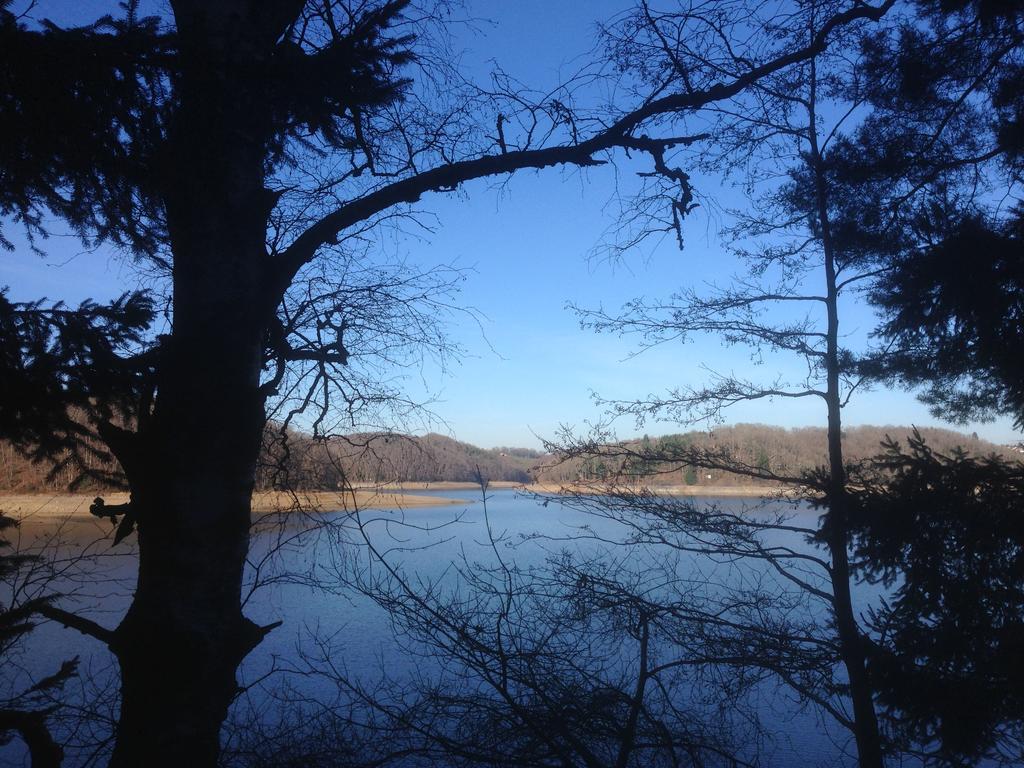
(427,543)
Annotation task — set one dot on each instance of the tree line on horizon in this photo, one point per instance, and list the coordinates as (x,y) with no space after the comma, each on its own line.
(294,460)
(786,451)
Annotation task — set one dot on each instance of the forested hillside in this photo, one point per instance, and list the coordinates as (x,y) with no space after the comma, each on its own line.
(783,451)
(383,458)
(301,462)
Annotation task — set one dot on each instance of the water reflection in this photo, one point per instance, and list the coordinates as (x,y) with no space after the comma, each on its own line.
(302,568)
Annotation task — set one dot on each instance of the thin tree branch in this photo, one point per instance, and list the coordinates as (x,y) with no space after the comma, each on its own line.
(80,623)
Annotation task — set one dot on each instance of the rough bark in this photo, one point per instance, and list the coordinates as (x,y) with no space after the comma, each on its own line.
(184,635)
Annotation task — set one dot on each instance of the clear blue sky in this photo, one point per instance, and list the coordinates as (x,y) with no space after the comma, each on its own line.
(528,242)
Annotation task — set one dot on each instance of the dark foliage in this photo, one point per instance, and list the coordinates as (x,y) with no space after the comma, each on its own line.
(931,169)
(79,140)
(63,371)
(978,31)
(946,534)
(88,142)
(955,313)
(938,156)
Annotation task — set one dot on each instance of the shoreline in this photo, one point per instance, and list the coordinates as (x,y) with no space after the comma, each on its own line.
(701,491)
(708,491)
(57,506)
(438,485)
(24,506)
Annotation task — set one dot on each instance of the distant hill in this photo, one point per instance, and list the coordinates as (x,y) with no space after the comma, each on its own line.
(784,451)
(383,458)
(302,462)
(380,458)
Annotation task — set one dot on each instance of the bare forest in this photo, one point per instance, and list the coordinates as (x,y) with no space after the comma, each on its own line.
(298,461)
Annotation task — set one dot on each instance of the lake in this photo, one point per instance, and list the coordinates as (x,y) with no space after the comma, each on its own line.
(441,546)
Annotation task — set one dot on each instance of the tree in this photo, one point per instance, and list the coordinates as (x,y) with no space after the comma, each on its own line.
(859,190)
(238,150)
(957,330)
(65,369)
(797,259)
(942,533)
(942,146)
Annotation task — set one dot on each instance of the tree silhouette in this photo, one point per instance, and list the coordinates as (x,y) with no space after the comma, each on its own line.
(940,153)
(239,150)
(802,267)
(888,191)
(942,533)
(66,372)
(957,330)
(885,151)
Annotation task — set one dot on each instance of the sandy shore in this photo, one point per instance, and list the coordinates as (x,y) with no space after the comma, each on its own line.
(737,491)
(50,506)
(440,486)
(705,491)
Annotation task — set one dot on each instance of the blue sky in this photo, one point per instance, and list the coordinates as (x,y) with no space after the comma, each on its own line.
(529,243)
(529,368)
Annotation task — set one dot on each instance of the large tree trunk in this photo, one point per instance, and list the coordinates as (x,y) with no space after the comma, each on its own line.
(181,642)
(184,636)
